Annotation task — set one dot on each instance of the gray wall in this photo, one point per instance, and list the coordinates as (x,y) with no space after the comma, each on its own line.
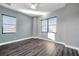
(67,25)
(37,27)
(41,34)
(68,22)
(23,26)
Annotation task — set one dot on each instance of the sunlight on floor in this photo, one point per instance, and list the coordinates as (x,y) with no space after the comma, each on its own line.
(50,48)
(51,36)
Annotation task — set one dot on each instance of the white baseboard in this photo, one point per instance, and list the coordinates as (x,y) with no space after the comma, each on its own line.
(39,38)
(24,39)
(72,47)
(57,42)
(14,41)
(49,39)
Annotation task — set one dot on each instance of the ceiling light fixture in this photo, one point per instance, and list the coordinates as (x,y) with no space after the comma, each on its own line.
(34,5)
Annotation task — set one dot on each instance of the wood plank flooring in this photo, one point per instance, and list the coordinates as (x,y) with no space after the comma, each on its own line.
(36,47)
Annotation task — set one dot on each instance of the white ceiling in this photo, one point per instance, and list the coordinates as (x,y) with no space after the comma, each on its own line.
(42,8)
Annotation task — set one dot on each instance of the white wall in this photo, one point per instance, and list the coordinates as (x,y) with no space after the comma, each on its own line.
(67,25)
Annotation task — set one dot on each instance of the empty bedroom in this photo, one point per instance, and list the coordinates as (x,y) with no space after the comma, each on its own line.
(39,29)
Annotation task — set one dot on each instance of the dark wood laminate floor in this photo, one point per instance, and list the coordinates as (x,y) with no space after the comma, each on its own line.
(36,47)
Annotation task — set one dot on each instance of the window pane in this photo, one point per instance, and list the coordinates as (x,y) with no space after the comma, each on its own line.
(9,24)
(51,21)
(52,24)
(52,28)
(55,20)
(44,26)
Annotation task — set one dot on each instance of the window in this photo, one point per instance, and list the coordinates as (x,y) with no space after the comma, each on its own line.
(9,24)
(52,24)
(49,26)
(52,27)
(44,25)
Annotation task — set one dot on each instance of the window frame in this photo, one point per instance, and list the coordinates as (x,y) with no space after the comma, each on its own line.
(51,25)
(3,24)
(48,25)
